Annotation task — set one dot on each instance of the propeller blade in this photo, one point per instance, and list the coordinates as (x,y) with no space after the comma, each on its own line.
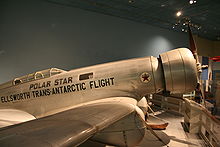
(202,93)
(193,49)
(192,44)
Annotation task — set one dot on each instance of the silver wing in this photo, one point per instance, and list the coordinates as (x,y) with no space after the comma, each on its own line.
(71,127)
(12,116)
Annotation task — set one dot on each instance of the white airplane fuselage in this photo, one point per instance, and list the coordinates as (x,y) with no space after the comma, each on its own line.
(46,96)
(174,71)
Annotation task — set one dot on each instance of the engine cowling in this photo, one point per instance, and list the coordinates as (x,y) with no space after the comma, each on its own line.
(180,71)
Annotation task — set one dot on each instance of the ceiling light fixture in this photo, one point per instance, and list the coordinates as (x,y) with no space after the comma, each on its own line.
(131,1)
(192,2)
(179,13)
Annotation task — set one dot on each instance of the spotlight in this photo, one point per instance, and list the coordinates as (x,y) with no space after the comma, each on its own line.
(131,1)
(192,2)
(179,13)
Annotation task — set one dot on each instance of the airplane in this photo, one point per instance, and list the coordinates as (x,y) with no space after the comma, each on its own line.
(66,108)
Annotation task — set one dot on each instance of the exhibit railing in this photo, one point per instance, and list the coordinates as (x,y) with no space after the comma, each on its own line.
(196,118)
(199,120)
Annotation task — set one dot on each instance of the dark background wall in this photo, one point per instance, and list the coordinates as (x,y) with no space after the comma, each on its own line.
(36,35)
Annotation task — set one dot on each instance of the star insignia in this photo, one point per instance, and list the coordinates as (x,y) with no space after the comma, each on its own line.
(145,77)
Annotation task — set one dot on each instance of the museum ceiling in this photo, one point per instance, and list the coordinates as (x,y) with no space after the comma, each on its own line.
(203,15)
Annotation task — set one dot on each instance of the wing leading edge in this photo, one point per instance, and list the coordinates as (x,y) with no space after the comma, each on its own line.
(71,127)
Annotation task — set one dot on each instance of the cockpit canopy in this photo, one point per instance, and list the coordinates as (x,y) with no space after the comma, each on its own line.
(33,76)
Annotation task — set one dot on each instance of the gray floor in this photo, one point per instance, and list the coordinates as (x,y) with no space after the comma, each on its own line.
(173,136)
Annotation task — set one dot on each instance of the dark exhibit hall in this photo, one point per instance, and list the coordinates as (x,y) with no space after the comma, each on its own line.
(109,73)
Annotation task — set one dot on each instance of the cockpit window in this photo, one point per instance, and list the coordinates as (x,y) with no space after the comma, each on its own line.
(86,76)
(17,81)
(38,75)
